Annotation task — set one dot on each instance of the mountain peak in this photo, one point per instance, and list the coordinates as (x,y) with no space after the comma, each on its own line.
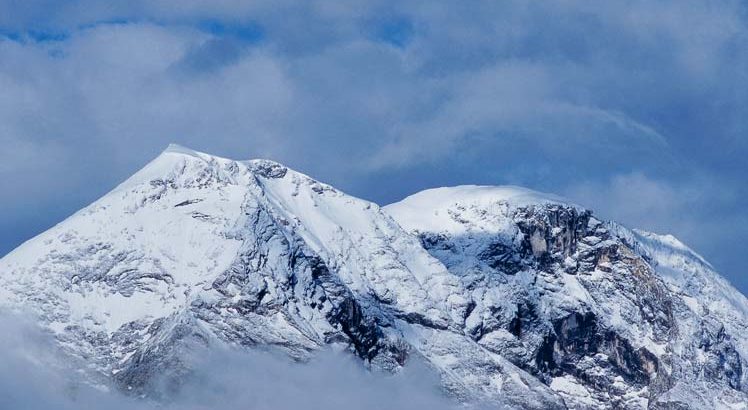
(483,193)
(436,209)
(180,149)
(264,167)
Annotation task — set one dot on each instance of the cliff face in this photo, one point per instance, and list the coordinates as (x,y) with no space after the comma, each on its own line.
(514,297)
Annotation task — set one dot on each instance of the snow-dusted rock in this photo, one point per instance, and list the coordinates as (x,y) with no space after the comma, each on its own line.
(605,316)
(513,296)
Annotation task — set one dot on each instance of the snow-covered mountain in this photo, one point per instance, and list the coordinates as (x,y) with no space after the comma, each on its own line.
(514,297)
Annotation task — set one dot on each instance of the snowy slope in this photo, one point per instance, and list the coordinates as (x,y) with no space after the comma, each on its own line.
(200,249)
(513,296)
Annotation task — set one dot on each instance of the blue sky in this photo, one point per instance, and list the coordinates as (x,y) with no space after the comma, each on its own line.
(637,109)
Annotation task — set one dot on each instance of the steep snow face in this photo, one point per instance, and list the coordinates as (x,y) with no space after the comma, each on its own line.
(686,270)
(722,311)
(603,315)
(516,297)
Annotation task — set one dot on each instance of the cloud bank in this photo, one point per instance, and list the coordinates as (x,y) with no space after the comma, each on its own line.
(383,99)
(36,375)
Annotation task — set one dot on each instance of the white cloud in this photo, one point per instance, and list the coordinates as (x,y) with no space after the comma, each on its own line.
(539,93)
(36,375)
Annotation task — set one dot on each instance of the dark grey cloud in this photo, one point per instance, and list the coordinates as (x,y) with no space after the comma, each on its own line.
(385,98)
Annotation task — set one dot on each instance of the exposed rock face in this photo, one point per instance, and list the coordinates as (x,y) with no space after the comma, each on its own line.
(517,298)
(550,327)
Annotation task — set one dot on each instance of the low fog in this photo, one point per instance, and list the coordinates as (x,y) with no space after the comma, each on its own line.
(35,375)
